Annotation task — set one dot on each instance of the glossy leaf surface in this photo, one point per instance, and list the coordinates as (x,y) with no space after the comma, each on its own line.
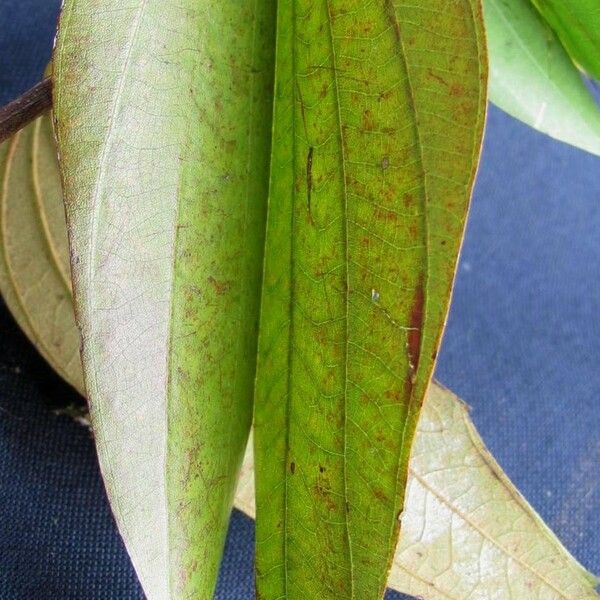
(577,24)
(533,79)
(162,118)
(378,118)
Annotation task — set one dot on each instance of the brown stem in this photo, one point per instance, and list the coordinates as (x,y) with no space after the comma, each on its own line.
(25,108)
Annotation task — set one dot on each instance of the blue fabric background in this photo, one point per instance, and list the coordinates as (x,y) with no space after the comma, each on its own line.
(522,348)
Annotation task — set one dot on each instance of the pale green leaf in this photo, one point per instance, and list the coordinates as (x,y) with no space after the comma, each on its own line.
(163,124)
(378,118)
(533,79)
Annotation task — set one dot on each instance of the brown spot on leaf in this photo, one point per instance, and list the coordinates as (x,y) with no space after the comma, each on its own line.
(416,327)
(380,495)
(309,182)
(385,95)
(437,78)
(456,89)
(322,492)
(221,287)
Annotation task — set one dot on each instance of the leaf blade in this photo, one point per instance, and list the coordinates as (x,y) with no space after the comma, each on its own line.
(533,79)
(158,128)
(324,293)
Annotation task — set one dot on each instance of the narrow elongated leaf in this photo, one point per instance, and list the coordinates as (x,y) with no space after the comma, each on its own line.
(34,270)
(533,79)
(163,120)
(577,24)
(379,111)
(448,456)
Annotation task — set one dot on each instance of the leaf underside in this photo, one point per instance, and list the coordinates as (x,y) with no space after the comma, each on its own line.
(457,498)
(533,79)
(378,118)
(163,130)
(35,279)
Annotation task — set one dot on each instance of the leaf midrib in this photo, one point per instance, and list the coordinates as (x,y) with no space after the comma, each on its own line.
(292,297)
(346,294)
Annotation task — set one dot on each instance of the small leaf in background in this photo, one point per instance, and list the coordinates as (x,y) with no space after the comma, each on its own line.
(577,24)
(163,115)
(533,79)
(448,455)
(379,111)
(35,279)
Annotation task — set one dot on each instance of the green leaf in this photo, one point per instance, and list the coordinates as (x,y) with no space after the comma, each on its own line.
(466,530)
(577,24)
(533,79)
(34,269)
(163,125)
(378,118)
